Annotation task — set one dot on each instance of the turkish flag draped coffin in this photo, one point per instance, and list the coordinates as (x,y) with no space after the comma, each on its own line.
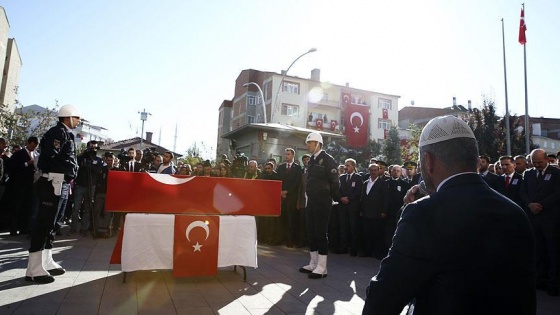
(163,193)
(357,125)
(195,245)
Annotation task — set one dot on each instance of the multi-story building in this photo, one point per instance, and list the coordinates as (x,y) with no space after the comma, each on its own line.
(10,63)
(295,106)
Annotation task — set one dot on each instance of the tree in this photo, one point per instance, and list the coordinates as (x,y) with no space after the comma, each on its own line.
(340,152)
(20,124)
(409,151)
(517,136)
(490,132)
(484,124)
(391,147)
(195,153)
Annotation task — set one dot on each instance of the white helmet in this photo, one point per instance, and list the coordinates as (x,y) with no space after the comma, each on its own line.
(68,111)
(314,136)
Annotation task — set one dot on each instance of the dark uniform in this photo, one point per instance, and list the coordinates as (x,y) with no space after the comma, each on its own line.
(322,189)
(58,155)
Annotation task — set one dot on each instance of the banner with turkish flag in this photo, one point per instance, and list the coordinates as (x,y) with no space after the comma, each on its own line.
(385,113)
(319,124)
(195,245)
(357,125)
(522,28)
(334,123)
(163,193)
(345,99)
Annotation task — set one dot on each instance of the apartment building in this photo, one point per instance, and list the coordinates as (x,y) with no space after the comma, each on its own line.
(295,106)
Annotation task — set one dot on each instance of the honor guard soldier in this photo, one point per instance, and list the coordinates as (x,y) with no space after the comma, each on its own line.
(59,166)
(322,189)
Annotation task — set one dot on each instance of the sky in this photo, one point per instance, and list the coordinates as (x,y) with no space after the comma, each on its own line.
(178,59)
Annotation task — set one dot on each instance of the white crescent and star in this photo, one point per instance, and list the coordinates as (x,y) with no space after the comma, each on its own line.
(193,225)
(359,115)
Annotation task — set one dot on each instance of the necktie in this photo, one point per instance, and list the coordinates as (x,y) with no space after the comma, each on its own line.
(507,181)
(288,168)
(347,177)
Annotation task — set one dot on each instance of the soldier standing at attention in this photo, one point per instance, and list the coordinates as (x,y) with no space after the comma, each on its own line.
(59,166)
(322,189)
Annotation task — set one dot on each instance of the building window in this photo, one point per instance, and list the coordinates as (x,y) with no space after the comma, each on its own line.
(290,110)
(268,90)
(290,87)
(252,100)
(251,119)
(325,98)
(385,103)
(384,124)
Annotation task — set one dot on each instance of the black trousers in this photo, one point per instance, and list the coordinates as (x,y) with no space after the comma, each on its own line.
(348,217)
(317,216)
(50,206)
(547,233)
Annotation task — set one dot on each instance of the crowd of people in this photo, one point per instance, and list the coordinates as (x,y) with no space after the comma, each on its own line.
(329,207)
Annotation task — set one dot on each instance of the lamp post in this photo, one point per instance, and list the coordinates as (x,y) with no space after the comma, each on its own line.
(143,118)
(284,76)
(262,97)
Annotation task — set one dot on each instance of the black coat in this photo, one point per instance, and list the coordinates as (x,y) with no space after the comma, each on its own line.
(351,188)
(465,249)
(545,191)
(291,179)
(374,203)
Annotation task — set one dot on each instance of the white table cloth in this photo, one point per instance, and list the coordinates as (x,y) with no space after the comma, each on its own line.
(148,242)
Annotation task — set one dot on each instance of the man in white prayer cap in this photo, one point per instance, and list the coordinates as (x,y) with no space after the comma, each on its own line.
(464,248)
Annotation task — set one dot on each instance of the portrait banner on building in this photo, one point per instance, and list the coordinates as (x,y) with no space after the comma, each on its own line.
(319,124)
(357,125)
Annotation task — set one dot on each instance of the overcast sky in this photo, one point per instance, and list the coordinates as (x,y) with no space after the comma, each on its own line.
(179,59)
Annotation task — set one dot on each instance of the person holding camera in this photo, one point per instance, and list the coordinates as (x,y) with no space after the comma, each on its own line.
(90,166)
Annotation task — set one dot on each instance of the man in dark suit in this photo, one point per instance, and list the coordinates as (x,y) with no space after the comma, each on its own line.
(464,249)
(511,181)
(396,190)
(290,174)
(373,213)
(540,193)
(490,178)
(21,167)
(349,208)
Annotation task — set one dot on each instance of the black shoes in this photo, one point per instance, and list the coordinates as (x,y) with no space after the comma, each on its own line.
(40,279)
(316,276)
(56,272)
(303,270)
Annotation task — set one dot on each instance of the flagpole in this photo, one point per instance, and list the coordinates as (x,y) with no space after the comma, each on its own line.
(526,97)
(508,139)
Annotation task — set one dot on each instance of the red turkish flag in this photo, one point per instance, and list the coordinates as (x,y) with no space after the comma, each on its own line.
(171,194)
(345,99)
(333,124)
(385,134)
(522,28)
(385,113)
(195,245)
(357,125)
(319,124)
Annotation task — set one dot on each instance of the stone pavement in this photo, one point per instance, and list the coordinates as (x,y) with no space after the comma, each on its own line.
(92,286)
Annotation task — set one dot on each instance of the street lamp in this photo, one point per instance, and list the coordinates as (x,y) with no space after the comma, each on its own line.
(143,118)
(284,76)
(262,97)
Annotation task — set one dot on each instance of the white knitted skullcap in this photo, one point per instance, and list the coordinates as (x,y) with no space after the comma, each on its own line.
(444,128)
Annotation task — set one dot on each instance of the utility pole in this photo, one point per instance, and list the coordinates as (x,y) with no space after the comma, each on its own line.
(143,118)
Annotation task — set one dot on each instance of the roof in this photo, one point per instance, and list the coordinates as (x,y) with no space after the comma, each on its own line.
(280,127)
(135,143)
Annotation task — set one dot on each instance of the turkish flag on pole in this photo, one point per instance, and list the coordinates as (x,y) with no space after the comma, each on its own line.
(357,125)
(522,28)
(195,245)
